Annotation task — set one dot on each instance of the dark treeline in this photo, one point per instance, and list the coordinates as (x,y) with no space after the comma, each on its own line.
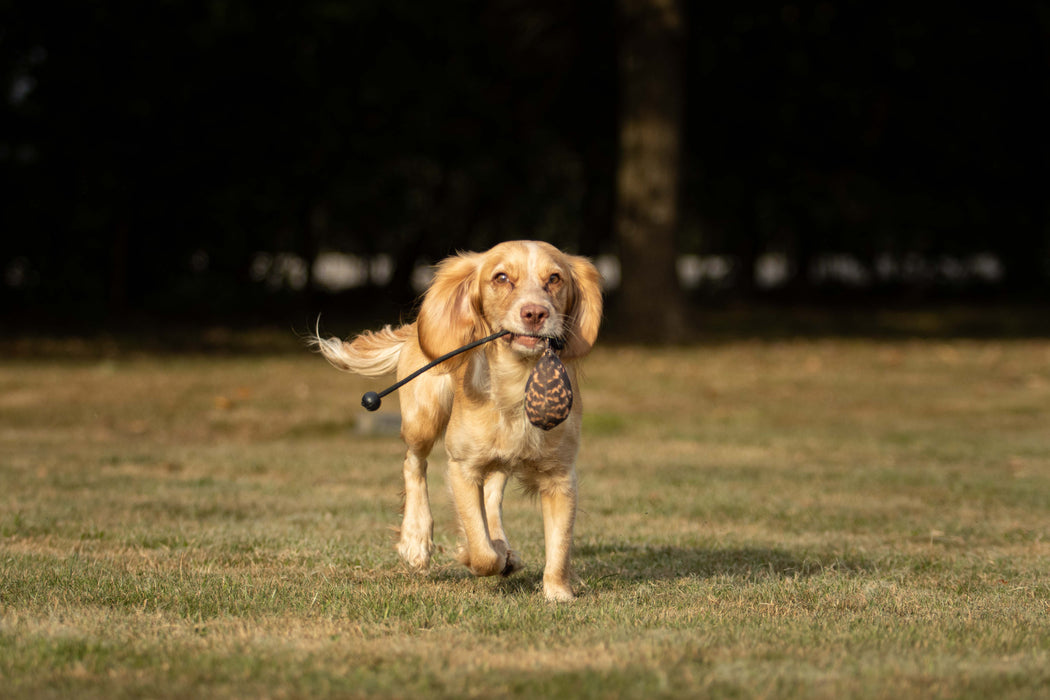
(149,151)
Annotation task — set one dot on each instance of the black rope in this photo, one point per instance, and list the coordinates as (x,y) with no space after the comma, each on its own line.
(372,400)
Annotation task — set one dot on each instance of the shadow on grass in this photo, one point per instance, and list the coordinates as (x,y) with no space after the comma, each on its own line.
(644,562)
(522,583)
(598,565)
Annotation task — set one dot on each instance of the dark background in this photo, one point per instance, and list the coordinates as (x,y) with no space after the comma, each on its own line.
(156,158)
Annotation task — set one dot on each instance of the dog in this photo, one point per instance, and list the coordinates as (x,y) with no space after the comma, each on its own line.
(536,292)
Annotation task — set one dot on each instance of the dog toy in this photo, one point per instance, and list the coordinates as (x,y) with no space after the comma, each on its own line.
(548,391)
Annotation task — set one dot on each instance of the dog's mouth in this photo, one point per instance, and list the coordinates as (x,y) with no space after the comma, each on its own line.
(529,341)
(535,341)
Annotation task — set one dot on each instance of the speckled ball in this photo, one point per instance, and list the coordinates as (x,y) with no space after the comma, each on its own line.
(548,393)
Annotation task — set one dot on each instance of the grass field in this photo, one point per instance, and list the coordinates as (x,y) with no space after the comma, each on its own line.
(810,518)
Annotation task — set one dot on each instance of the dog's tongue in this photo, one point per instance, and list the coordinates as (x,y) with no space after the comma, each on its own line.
(548,393)
(528,341)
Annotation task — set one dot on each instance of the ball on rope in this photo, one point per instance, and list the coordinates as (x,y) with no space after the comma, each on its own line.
(371,401)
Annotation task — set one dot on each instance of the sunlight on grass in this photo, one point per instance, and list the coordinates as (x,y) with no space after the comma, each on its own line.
(783,519)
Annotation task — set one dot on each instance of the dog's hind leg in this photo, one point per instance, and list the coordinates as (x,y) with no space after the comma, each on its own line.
(425,406)
(416,543)
(495,485)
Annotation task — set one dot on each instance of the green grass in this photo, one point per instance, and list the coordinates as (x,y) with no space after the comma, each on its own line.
(818,518)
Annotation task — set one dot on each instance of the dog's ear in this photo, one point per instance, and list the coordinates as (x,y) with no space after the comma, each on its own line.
(585,313)
(450,315)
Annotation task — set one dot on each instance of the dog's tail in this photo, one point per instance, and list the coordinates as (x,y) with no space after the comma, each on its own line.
(371,354)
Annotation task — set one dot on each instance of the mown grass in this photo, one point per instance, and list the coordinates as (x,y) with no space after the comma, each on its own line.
(811,518)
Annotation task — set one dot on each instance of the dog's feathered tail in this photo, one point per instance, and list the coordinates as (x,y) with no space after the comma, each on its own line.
(371,354)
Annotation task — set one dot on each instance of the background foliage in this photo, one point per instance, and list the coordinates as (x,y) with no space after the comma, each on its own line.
(150,151)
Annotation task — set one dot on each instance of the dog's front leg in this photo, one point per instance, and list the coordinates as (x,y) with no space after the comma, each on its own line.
(479,553)
(558,501)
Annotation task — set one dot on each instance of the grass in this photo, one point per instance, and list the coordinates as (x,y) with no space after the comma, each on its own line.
(793,518)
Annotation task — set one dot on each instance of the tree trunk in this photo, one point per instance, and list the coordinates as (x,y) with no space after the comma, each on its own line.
(650,56)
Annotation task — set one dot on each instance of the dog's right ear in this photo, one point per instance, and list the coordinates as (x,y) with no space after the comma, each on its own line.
(450,315)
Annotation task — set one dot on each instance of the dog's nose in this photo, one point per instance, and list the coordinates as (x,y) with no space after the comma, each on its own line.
(534,315)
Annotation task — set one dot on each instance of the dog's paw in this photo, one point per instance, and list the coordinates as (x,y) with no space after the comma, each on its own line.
(557,591)
(416,552)
(483,563)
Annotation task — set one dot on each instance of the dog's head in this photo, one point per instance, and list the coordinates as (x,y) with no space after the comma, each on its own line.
(529,288)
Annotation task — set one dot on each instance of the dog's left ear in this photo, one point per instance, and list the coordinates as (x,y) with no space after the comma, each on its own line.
(450,314)
(585,314)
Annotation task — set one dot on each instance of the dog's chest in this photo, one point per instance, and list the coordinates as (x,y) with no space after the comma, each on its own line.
(491,430)
(491,439)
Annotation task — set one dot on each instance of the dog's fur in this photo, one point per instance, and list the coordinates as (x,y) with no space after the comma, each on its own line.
(531,289)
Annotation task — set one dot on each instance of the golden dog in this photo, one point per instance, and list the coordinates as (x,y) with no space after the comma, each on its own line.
(534,291)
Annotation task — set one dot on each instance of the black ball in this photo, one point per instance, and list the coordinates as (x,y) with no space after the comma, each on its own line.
(371,401)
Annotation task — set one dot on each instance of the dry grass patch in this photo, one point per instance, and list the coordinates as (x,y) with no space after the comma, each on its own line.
(813,518)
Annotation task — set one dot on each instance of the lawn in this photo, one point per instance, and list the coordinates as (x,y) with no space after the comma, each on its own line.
(792,518)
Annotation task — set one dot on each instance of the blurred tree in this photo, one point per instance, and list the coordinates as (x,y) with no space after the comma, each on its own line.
(651,34)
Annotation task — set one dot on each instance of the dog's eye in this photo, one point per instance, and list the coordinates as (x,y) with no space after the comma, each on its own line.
(501,278)
(554,279)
